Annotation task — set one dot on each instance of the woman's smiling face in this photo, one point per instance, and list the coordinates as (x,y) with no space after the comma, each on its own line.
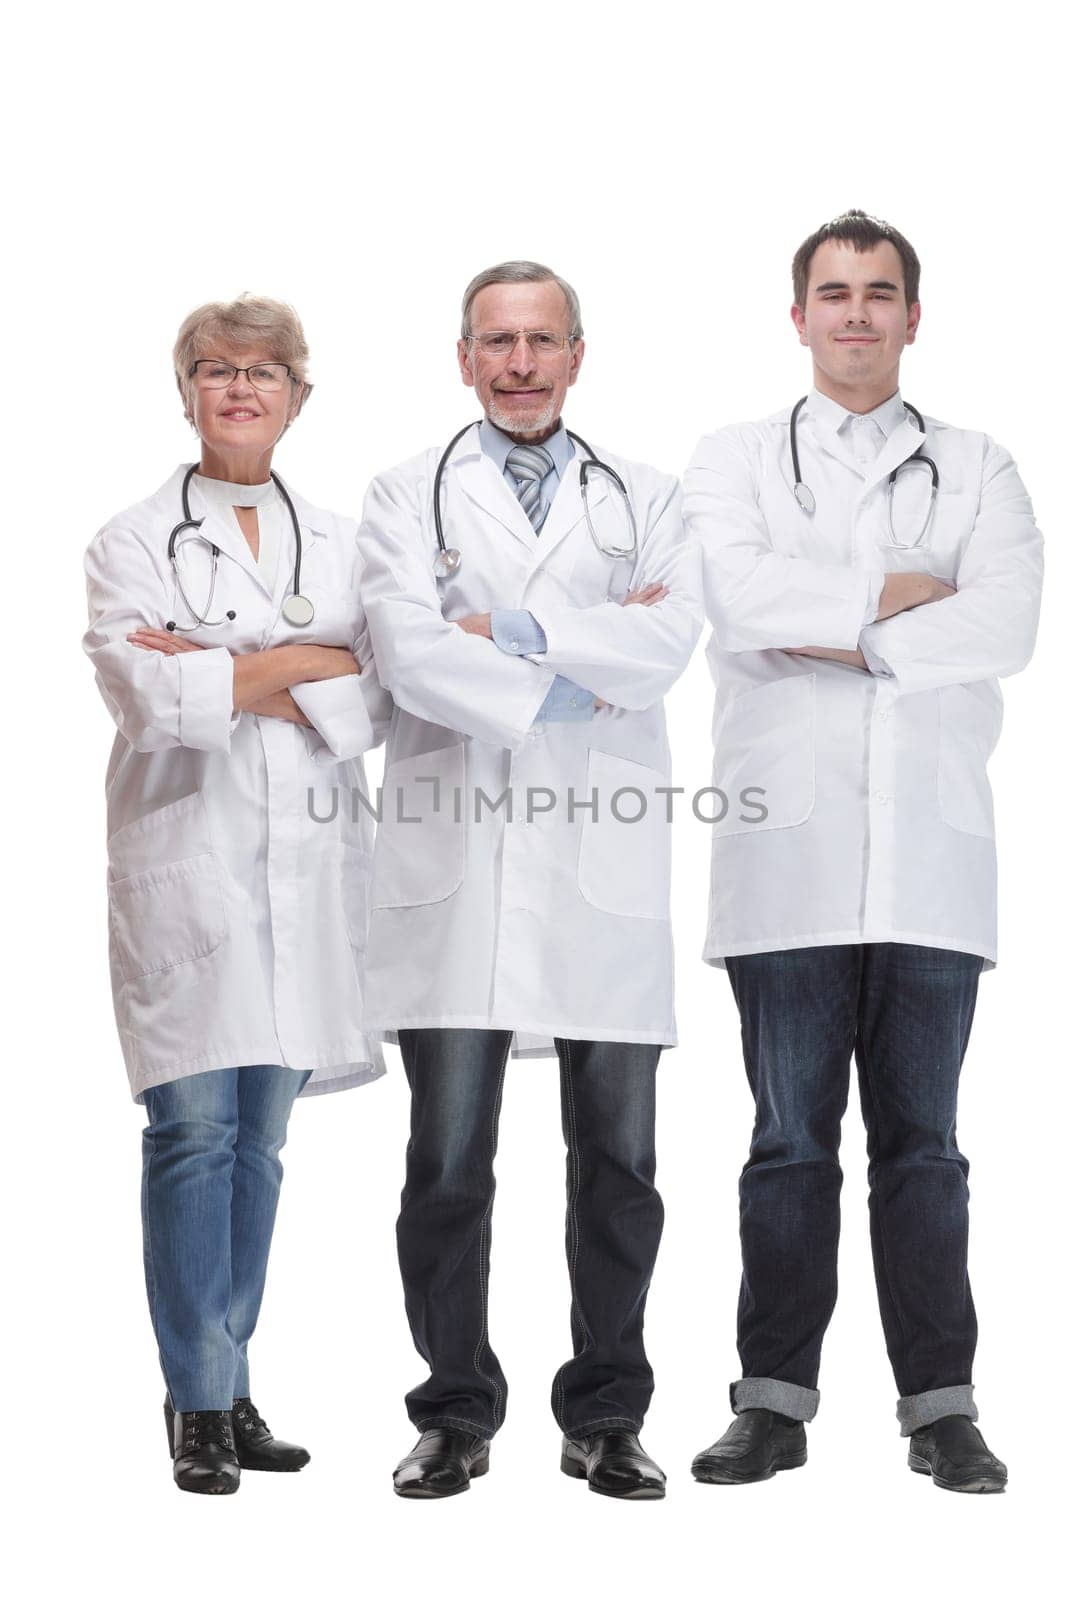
(239,418)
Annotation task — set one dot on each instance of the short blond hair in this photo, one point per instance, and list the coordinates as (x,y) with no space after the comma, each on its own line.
(251,319)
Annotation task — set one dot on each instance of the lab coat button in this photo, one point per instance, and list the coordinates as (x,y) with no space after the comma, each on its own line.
(881,797)
(883,716)
(513,644)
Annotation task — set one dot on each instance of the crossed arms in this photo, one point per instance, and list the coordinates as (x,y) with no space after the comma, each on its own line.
(909,626)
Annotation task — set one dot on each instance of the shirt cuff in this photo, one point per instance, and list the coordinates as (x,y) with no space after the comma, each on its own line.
(567,702)
(337,711)
(517,633)
(874,661)
(206,712)
(874,598)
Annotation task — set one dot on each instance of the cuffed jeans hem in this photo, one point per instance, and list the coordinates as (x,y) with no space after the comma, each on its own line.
(916,1411)
(602,1425)
(456,1424)
(788,1399)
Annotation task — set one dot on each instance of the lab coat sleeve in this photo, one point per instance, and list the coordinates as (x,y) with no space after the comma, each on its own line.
(987,629)
(431,667)
(157,702)
(757,599)
(350,715)
(631,655)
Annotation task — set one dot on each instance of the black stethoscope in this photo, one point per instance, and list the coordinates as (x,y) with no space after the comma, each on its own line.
(446,562)
(296,607)
(805,499)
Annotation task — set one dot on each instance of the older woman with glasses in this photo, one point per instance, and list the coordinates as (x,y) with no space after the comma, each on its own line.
(230,647)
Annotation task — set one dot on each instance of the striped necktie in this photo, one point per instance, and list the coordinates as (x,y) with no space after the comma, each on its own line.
(528,464)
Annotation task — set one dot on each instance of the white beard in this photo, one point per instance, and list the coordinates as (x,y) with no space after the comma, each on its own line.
(533,424)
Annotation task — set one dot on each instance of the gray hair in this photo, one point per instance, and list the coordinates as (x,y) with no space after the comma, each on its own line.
(520,272)
(249,320)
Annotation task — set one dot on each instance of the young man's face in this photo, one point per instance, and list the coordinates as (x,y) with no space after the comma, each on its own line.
(854,319)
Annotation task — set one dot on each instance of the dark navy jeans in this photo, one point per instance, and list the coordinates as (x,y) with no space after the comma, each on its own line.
(614,1221)
(209,1194)
(905,1011)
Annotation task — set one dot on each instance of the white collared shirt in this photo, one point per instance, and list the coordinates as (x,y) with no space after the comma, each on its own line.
(273,522)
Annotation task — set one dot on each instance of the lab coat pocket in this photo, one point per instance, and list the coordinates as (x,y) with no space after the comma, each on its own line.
(164,898)
(765,758)
(338,615)
(419,852)
(968,730)
(624,856)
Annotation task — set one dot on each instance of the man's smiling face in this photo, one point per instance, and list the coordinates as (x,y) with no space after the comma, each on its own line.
(522,390)
(854,319)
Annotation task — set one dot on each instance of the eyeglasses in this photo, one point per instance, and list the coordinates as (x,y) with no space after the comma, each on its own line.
(268,377)
(502,343)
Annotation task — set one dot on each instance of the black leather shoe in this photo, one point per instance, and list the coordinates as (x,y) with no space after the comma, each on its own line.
(442,1463)
(954,1454)
(257,1448)
(755,1446)
(201,1444)
(614,1464)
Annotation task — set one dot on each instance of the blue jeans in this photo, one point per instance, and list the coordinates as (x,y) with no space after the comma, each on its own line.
(906,1011)
(614,1221)
(209,1195)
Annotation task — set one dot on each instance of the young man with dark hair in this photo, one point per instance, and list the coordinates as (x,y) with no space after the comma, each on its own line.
(869,574)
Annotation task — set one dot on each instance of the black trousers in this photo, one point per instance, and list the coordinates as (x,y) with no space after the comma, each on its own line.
(614,1221)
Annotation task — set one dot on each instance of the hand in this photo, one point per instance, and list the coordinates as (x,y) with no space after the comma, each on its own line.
(648,596)
(161,639)
(478,624)
(280,705)
(902,591)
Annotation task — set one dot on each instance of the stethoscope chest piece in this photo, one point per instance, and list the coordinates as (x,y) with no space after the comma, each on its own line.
(804,497)
(298,610)
(446,562)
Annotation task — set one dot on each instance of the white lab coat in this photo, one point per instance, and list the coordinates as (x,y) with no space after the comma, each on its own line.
(552,926)
(879,822)
(237,921)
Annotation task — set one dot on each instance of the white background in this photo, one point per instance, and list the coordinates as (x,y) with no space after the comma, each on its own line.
(364,165)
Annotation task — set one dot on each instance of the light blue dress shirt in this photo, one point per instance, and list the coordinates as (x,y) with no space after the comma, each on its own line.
(518,632)
(497,446)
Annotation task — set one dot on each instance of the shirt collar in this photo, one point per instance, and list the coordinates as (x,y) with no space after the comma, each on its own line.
(838,420)
(497,446)
(236,494)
